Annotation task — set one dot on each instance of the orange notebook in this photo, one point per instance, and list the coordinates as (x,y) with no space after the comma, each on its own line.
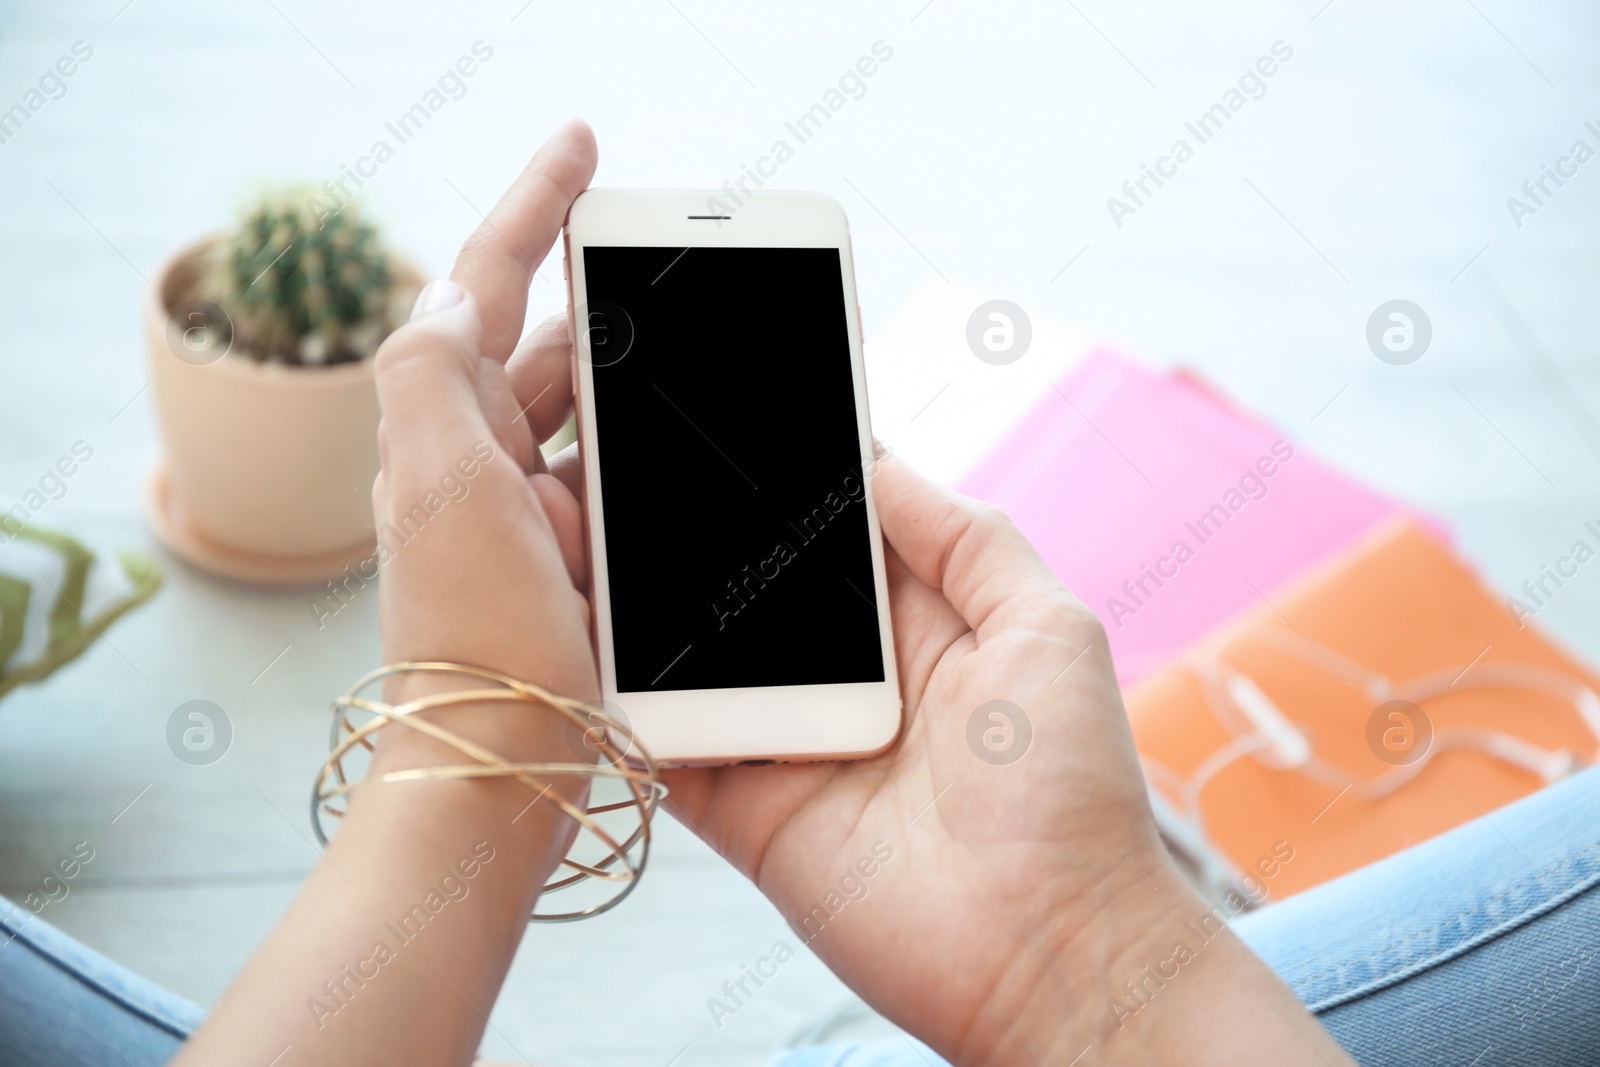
(1381,700)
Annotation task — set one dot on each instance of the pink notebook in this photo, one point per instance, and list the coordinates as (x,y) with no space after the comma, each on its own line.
(1165,508)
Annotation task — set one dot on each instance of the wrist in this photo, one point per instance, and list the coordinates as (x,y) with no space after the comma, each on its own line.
(514,729)
(1152,976)
(431,815)
(529,821)
(1078,976)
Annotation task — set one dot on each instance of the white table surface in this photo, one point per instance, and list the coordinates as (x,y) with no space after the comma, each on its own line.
(977,165)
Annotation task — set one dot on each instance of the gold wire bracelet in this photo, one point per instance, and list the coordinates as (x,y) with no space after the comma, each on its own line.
(331,792)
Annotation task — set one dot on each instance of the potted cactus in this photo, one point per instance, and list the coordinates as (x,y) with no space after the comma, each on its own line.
(260,345)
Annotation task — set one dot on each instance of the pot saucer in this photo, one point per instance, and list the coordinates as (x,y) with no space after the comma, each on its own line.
(169,522)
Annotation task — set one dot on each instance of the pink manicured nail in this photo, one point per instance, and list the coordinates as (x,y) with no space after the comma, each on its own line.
(437,295)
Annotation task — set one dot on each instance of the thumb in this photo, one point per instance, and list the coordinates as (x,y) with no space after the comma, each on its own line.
(966,549)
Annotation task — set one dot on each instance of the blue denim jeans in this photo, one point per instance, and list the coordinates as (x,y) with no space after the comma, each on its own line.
(1479,948)
(61,1004)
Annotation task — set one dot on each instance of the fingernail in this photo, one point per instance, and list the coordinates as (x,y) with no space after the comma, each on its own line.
(437,295)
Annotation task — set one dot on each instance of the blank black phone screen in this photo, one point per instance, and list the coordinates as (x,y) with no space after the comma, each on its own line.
(734,517)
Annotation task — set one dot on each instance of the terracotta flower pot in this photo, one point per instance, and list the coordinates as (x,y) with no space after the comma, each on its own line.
(269,467)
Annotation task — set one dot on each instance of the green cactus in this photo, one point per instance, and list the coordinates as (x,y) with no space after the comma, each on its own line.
(308,287)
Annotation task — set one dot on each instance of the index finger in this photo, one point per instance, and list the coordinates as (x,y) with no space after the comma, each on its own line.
(497,262)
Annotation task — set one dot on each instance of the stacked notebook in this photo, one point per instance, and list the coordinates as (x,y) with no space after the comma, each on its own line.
(1310,669)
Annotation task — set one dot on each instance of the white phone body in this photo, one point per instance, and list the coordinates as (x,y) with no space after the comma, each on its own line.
(744,723)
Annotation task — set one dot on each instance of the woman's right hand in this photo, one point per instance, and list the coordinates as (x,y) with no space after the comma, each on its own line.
(1024,884)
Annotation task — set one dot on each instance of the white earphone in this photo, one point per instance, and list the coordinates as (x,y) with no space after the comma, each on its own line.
(1261,731)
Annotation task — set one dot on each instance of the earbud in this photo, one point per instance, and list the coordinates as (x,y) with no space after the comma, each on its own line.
(1289,747)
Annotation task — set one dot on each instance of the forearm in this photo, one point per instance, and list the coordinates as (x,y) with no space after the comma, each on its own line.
(1160,979)
(398,944)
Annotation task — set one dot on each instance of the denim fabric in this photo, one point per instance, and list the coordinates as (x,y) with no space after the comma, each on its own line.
(1480,947)
(1476,949)
(62,1005)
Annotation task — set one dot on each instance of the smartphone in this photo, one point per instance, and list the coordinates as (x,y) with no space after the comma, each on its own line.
(737,578)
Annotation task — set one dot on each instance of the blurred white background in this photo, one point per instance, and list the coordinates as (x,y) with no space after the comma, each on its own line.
(977,165)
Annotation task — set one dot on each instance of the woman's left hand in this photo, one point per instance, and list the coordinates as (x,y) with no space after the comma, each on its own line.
(481,558)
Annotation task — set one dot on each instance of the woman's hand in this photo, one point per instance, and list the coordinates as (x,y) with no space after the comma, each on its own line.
(1026,882)
(481,549)
(397,947)
(1009,859)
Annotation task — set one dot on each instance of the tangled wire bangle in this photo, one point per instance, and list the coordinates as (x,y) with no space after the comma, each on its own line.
(329,796)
